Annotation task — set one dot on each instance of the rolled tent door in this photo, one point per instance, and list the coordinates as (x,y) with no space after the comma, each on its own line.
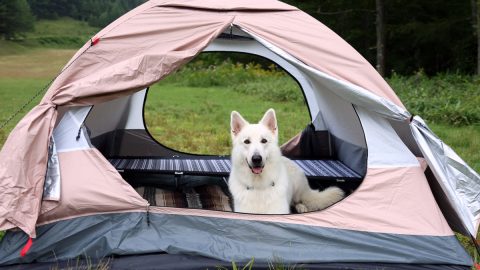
(459,183)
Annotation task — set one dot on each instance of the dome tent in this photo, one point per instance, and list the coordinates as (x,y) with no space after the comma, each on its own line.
(403,212)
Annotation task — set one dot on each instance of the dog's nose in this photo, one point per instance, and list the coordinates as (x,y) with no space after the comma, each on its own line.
(257,160)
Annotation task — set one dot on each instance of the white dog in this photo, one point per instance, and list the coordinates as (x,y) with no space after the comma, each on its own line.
(262,181)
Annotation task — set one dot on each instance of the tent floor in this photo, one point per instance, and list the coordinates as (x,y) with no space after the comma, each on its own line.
(187,262)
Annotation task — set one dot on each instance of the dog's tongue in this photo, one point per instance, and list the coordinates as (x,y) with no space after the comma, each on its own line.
(257,170)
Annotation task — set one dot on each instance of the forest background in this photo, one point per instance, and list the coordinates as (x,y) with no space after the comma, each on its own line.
(396,36)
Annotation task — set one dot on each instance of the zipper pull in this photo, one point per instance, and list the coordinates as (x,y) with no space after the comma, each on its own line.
(79,132)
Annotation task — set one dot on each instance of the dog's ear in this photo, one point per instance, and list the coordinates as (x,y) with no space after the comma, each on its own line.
(270,120)
(236,123)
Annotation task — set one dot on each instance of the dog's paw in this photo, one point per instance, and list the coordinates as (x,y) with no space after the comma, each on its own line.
(301,208)
(334,194)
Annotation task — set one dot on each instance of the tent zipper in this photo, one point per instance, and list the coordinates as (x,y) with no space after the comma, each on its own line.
(79,132)
(148,215)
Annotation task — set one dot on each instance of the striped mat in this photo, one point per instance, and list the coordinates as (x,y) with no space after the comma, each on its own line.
(312,168)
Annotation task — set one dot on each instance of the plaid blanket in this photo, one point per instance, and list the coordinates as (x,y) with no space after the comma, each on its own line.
(210,197)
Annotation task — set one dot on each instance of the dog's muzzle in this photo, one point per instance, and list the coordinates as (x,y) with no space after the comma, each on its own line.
(256,164)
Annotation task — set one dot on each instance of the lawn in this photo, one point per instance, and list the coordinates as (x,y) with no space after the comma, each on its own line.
(63,33)
(197,119)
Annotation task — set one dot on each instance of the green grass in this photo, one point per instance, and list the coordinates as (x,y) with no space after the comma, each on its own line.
(248,266)
(64,33)
(270,83)
(61,33)
(62,27)
(13,94)
(465,140)
(21,76)
(11,47)
(451,99)
(197,120)
(275,264)
(26,65)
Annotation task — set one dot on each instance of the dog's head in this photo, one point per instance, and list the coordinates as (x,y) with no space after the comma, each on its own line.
(255,143)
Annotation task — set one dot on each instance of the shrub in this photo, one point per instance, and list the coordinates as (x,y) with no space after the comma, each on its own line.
(280,89)
(269,83)
(443,99)
(448,98)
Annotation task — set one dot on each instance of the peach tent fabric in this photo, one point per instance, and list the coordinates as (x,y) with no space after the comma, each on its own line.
(141,48)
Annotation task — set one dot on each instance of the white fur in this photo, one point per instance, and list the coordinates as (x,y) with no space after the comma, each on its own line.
(281,183)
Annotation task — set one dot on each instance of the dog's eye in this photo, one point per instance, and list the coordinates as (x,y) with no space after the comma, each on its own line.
(264,141)
(247,141)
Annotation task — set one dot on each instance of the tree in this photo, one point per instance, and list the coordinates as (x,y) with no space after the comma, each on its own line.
(380,27)
(354,21)
(16,18)
(430,35)
(476,28)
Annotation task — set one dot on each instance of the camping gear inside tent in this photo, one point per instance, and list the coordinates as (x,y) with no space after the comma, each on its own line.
(73,171)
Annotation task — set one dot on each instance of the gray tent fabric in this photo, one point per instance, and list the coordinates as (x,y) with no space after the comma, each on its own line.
(51,190)
(98,236)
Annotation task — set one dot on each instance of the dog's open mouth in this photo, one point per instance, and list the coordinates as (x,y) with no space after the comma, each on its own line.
(256,170)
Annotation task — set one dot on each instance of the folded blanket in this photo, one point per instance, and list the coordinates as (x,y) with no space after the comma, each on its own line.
(209,197)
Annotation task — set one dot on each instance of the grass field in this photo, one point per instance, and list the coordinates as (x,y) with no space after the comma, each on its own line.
(64,33)
(205,126)
(204,111)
